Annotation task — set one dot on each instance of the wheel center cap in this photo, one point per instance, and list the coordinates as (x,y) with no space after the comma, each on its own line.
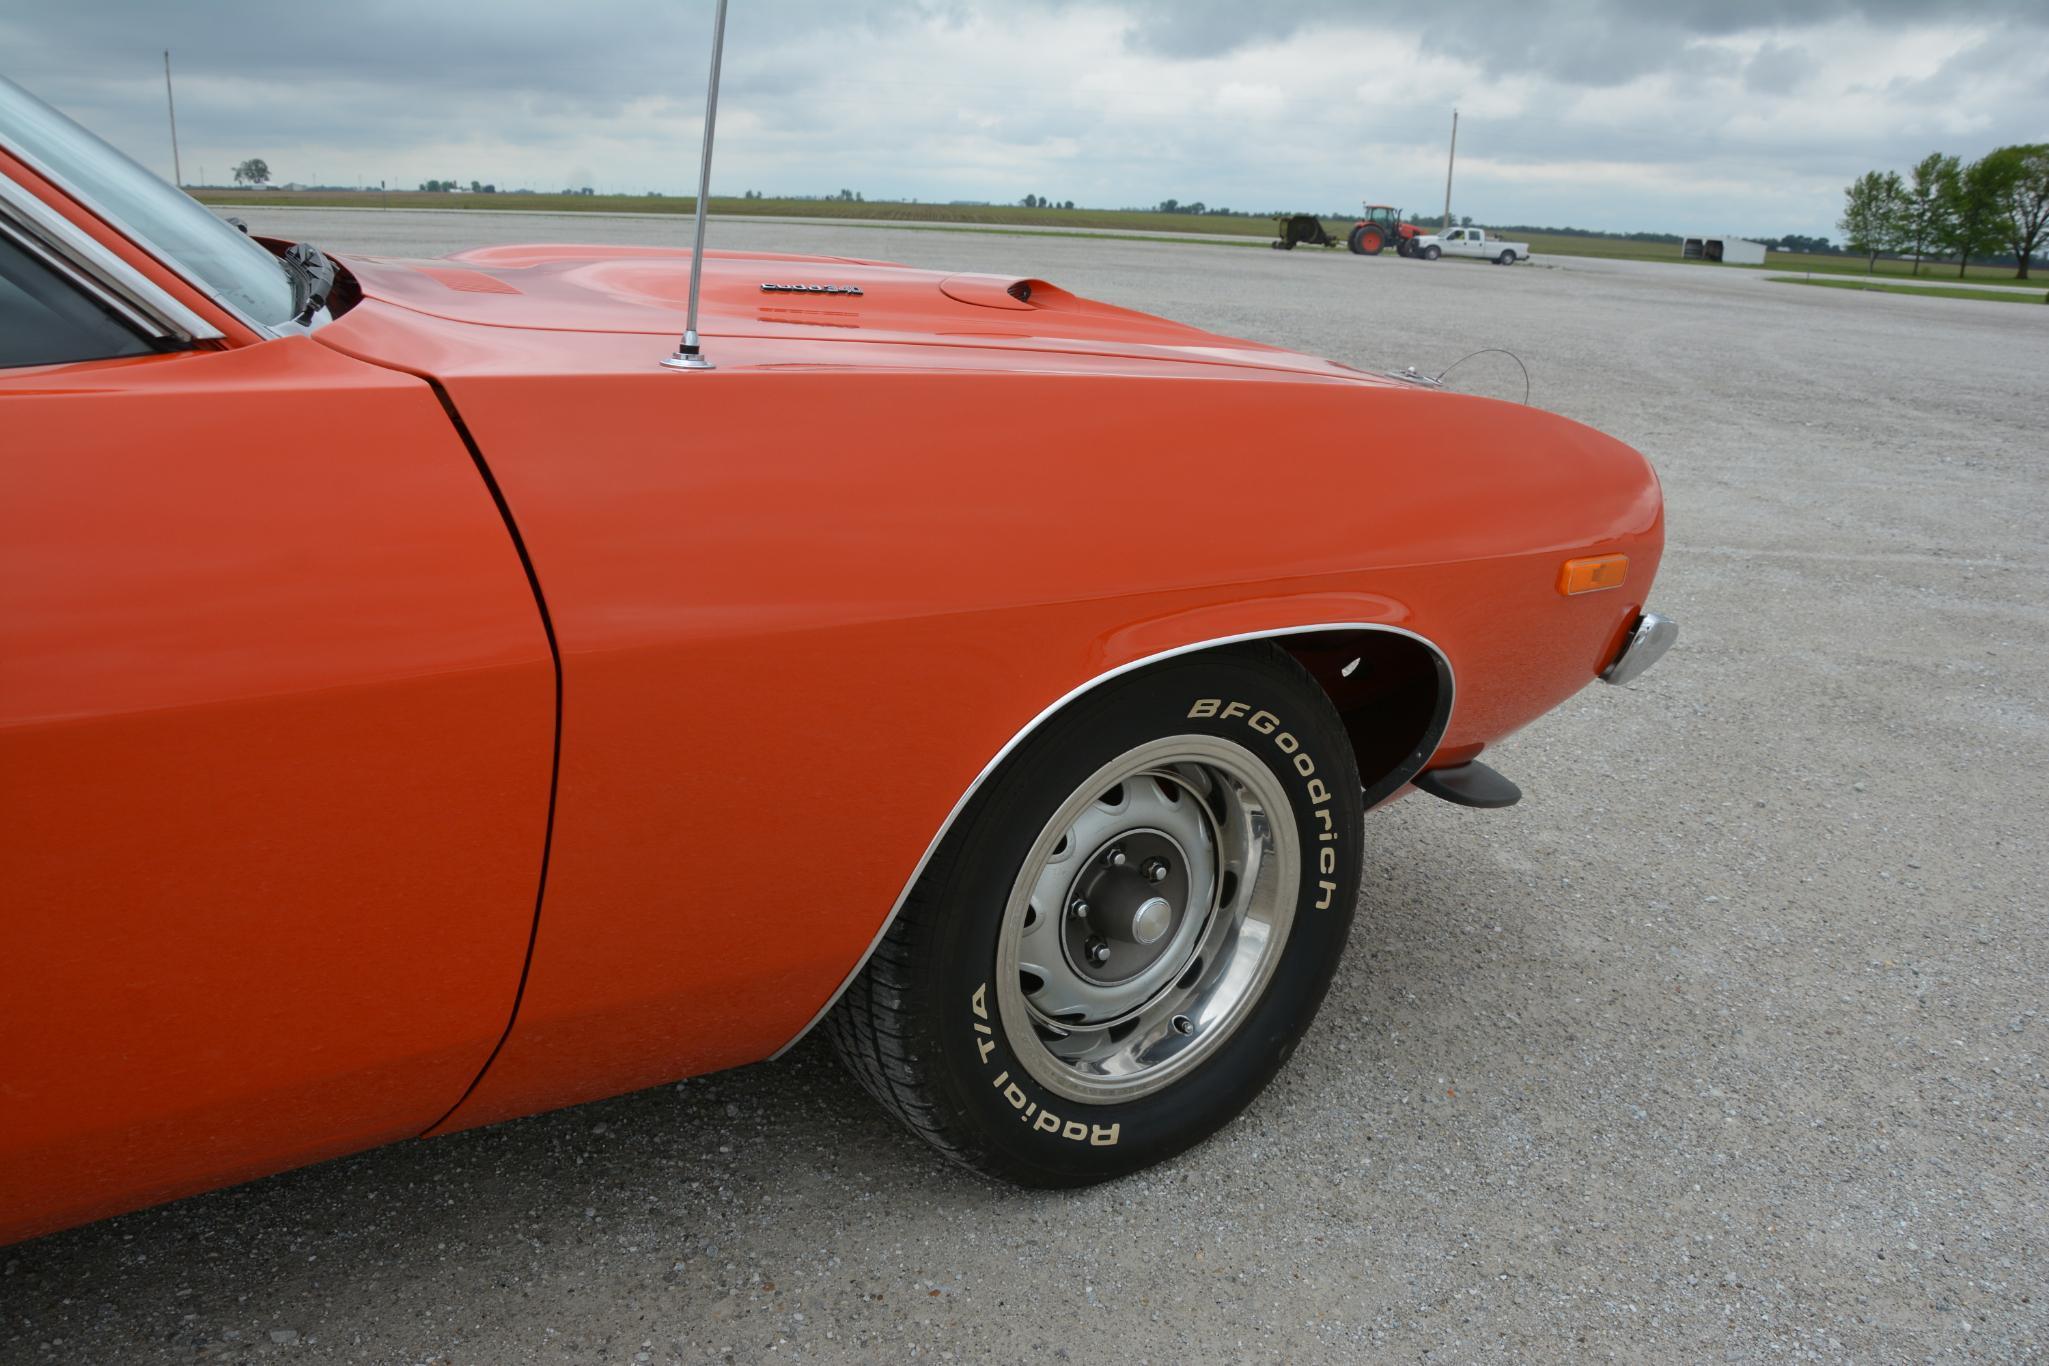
(1126,907)
(1151,920)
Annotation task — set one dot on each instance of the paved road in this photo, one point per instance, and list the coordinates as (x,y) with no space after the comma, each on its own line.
(1728,1042)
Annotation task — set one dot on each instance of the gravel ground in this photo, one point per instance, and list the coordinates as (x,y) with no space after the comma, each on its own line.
(1727,1043)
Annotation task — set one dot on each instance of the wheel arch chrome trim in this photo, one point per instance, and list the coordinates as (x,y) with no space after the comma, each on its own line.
(1089,685)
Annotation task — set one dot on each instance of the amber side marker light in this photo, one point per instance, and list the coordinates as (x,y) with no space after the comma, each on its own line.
(1592,574)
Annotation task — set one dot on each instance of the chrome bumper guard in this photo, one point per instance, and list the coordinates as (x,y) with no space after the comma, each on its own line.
(1648,640)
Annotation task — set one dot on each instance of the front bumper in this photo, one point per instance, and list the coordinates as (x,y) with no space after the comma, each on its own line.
(1648,640)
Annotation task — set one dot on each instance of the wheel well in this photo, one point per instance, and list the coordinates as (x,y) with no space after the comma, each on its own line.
(1393,693)
(1395,703)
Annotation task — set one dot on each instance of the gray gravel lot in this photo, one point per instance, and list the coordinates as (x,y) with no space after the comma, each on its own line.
(1727,1043)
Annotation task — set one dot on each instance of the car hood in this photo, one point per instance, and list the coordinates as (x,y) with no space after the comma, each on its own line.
(645,290)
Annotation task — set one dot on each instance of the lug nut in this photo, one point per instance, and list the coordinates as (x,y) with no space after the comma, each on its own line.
(1115,856)
(1099,952)
(1183,1025)
(1155,870)
(1079,910)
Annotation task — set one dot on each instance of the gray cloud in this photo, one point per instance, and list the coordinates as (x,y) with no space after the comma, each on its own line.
(1589,111)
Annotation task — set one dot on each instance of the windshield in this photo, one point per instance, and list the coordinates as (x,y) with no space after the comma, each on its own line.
(164,221)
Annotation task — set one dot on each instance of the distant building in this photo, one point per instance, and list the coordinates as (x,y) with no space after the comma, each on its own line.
(1734,251)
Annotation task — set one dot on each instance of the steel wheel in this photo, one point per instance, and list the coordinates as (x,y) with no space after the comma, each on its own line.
(1149,912)
(1128,931)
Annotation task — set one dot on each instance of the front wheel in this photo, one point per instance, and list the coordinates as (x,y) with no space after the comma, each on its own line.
(1432,253)
(1507,258)
(1128,931)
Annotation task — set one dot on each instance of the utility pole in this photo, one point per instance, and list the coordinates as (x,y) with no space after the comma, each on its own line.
(1448,162)
(177,170)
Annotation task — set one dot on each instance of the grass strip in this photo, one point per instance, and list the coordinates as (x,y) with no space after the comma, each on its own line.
(1997,296)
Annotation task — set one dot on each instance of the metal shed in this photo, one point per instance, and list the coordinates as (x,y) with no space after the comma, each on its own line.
(1735,251)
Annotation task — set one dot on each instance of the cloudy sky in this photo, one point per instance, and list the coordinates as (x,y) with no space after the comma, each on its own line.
(1743,115)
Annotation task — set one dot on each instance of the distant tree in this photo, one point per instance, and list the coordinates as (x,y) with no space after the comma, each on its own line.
(1973,196)
(254,171)
(1197,207)
(2026,201)
(1793,241)
(1922,222)
(1068,204)
(1871,214)
(1466,221)
(1168,206)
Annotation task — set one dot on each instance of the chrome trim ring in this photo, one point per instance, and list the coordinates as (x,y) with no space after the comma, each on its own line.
(1139,1016)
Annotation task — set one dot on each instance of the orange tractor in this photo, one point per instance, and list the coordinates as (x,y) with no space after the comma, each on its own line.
(1381,225)
(1369,236)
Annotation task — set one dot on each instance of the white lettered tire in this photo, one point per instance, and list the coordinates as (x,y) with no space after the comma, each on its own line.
(1127,931)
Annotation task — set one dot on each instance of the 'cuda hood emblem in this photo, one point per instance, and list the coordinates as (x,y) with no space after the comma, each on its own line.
(810,289)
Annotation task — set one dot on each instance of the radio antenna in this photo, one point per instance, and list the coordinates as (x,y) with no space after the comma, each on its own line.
(690,354)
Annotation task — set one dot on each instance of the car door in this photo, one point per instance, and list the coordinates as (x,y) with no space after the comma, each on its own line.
(277,722)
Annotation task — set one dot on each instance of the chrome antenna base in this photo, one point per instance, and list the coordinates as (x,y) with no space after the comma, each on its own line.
(689,355)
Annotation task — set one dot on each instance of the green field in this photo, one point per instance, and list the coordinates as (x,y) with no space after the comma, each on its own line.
(1997,296)
(1010,215)
(1226,230)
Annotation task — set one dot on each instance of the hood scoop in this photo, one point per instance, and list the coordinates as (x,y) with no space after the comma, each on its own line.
(999,291)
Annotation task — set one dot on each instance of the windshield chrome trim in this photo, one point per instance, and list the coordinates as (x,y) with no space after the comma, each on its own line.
(163,258)
(129,293)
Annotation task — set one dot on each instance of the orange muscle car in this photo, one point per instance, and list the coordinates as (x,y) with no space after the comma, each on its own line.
(421,707)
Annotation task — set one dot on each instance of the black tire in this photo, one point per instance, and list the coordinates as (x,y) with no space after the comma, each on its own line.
(1431,253)
(1507,258)
(922,1028)
(1357,245)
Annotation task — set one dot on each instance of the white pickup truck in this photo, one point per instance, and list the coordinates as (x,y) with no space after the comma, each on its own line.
(1471,242)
